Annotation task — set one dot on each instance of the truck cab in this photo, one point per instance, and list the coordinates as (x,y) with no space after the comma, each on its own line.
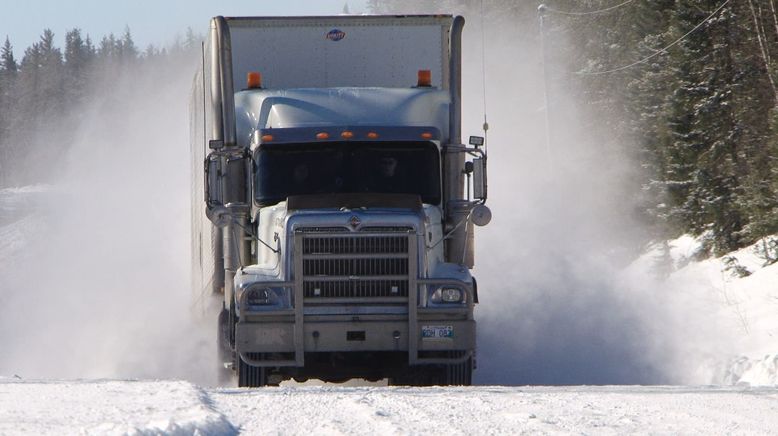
(332,206)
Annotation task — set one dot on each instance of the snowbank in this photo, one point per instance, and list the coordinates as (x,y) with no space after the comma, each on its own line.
(731,300)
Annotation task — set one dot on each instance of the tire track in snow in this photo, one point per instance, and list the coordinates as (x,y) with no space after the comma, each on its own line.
(500,410)
(316,410)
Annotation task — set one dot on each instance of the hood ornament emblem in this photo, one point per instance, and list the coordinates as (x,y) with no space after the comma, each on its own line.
(354,221)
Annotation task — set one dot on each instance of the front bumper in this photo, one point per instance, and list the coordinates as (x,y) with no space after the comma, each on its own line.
(264,338)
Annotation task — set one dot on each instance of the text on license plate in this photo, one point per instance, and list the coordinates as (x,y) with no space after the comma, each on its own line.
(437,332)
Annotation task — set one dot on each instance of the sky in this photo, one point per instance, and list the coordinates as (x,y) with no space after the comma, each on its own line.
(150,21)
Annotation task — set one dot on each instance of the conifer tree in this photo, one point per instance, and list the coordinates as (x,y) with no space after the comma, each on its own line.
(77,61)
(127,50)
(7,61)
(8,73)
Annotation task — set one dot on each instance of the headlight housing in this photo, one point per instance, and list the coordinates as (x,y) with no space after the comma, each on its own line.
(263,297)
(448,295)
(260,297)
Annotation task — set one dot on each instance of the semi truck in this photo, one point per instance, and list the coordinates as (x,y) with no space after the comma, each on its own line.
(334,201)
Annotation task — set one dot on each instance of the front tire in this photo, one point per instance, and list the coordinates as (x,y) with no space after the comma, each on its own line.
(250,376)
(460,374)
(224,353)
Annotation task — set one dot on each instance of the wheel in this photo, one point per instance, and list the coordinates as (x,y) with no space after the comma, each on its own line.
(460,374)
(224,353)
(250,376)
(415,376)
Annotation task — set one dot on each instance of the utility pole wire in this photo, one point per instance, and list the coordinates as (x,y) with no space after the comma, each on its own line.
(546,91)
(775,17)
(483,75)
(581,14)
(764,32)
(765,53)
(658,52)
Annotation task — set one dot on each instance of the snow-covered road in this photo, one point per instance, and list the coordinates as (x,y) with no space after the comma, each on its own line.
(177,407)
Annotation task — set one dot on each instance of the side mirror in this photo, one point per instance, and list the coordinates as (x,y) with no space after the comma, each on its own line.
(479,178)
(213,181)
(225,181)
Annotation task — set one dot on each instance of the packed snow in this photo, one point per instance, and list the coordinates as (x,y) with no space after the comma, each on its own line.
(176,407)
(107,407)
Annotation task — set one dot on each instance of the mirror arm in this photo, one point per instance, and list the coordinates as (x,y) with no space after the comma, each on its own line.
(464,149)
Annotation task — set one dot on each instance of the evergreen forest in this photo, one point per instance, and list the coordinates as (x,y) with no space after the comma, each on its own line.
(43,95)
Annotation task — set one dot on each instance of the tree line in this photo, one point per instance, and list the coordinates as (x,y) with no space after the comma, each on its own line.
(42,94)
(688,88)
(702,108)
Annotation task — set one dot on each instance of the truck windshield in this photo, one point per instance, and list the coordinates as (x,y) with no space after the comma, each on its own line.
(282,170)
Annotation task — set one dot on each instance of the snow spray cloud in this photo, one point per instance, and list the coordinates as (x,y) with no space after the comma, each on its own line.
(104,287)
(557,303)
(551,310)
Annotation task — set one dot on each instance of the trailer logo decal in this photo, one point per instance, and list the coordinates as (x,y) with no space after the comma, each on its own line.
(335,35)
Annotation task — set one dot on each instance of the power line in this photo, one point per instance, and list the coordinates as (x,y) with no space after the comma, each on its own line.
(660,51)
(483,73)
(581,14)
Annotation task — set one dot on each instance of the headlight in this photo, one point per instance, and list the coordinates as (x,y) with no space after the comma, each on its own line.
(447,295)
(261,297)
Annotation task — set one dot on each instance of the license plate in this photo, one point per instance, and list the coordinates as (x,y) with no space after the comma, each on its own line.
(432,332)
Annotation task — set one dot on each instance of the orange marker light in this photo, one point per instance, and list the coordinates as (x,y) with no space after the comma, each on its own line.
(426,135)
(253,80)
(267,138)
(372,135)
(425,78)
(347,135)
(322,135)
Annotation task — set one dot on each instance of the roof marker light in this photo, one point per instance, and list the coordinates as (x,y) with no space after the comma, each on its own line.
(347,134)
(426,135)
(253,80)
(267,138)
(372,135)
(322,135)
(424,79)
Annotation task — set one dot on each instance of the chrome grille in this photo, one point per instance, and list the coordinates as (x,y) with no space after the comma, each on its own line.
(377,229)
(323,229)
(354,266)
(329,245)
(336,266)
(356,289)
